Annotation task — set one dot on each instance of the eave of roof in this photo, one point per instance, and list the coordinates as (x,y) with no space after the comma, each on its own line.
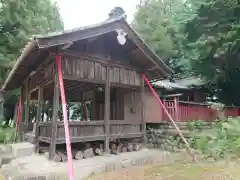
(166,84)
(191,81)
(53,39)
(27,49)
(56,39)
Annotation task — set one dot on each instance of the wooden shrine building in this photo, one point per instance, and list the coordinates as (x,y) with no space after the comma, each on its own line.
(101,65)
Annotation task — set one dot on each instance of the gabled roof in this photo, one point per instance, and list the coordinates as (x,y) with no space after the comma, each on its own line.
(37,49)
(190,82)
(166,84)
(180,83)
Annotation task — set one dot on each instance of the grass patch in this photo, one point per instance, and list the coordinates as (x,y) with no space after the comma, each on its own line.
(176,171)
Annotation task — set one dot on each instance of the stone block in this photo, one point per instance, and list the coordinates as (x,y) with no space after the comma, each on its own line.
(5,149)
(134,162)
(99,169)
(22,149)
(145,160)
(6,158)
(126,163)
(11,173)
(110,166)
(56,176)
(36,177)
(140,161)
(118,165)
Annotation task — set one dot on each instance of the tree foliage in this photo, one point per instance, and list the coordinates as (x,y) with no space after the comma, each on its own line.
(161,24)
(214,36)
(18,21)
(200,37)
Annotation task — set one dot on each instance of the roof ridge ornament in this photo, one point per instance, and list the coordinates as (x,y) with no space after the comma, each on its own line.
(117,12)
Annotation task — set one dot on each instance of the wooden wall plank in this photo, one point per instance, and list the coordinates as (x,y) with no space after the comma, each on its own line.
(97,70)
(121,78)
(138,79)
(104,71)
(91,70)
(82,68)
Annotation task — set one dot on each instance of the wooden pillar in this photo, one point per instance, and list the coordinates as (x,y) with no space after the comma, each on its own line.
(94,108)
(142,111)
(26,104)
(52,149)
(39,110)
(21,122)
(82,108)
(176,108)
(107,109)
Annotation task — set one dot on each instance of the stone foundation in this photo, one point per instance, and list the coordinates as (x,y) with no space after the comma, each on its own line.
(38,167)
(22,149)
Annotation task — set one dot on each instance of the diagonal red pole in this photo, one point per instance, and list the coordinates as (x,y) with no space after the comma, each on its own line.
(65,117)
(169,116)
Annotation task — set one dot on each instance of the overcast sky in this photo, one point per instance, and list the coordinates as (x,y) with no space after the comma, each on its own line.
(77,13)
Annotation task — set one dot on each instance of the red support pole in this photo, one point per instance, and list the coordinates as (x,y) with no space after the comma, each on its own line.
(169,116)
(65,117)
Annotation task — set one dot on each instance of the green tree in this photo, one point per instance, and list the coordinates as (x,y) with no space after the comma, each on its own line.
(161,24)
(214,36)
(19,20)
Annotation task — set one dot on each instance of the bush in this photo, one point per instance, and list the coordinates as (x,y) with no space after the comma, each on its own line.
(159,137)
(222,140)
(6,134)
(217,140)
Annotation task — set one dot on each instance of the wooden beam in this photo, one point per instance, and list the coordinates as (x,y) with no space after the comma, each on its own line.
(93,113)
(45,83)
(72,78)
(142,96)
(81,87)
(34,89)
(78,35)
(107,109)
(152,68)
(39,110)
(54,117)
(100,82)
(94,58)
(82,106)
